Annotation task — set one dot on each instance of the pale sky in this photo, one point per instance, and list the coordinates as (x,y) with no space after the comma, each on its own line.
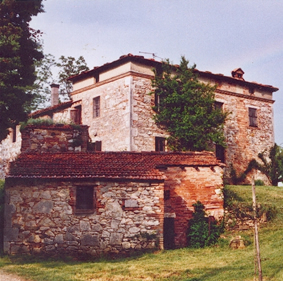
(216,35)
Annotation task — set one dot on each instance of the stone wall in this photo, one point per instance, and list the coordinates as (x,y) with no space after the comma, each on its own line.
(144,129)
(41,218)
(9,150)
(54,138)
(243,141)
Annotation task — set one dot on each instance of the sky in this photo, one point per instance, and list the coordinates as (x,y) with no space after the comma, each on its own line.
(217,36)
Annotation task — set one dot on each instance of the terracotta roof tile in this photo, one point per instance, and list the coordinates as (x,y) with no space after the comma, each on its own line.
(124,165)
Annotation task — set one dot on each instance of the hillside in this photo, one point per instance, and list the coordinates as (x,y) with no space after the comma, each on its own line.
(216,263)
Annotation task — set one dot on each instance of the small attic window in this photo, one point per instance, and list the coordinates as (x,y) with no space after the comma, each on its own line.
(238,73)
(251,90)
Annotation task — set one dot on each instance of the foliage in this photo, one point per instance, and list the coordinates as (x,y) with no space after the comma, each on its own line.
(271,164)
(242,210)
(259,182)
(202,231)
(185,108)
(19,51)
(64,67)
(48,122)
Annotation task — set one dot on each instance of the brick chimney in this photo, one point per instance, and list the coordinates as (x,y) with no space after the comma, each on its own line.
(54,94)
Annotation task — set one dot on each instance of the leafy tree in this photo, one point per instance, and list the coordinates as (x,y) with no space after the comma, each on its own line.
(271,164)
(64,67)
(202,231)
(185,108)
(19,50)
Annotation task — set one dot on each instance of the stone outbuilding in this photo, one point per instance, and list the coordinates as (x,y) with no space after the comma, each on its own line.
(106,202)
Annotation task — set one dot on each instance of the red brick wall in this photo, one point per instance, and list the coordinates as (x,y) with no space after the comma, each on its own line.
(188,185)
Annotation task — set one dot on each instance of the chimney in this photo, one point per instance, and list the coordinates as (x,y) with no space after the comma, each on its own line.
(54,94)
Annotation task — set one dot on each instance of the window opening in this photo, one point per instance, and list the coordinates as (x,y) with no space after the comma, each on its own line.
(96,107)
(252,117)
(84,198)
(159,144)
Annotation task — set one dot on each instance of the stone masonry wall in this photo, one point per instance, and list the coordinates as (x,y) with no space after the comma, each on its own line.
(40,217)
(53,138)
(144,129)
(243,141)
(9,150)
(186,186)
(112,127)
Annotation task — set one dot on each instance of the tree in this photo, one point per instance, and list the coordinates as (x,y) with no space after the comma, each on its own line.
(272,164)
(185,108)
(64,67)
(19,50)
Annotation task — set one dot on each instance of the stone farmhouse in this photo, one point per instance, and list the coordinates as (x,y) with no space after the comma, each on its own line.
(62,202)
(109,185)
(113,101)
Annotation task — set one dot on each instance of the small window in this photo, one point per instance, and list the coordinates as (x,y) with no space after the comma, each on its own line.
(14,134)
(157,102)
(159,144)
(76,114)
(166,194)
(218,105)
(96,107)
(220,152)
(252,117)
(84,199)
(95,146)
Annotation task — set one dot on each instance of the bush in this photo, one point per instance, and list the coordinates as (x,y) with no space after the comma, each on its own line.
(259,183)
(203,231)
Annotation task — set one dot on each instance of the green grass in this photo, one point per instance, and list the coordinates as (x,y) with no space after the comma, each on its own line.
(218,263)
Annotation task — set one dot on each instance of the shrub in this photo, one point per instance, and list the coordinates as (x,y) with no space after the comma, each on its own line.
(259,182)
(203,231)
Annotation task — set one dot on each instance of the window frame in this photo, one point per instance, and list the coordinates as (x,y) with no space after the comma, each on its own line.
(253,118)
(85,192)
(96,107)
(160,144)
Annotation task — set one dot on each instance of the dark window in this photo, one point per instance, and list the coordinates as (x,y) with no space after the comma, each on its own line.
(84,198)
(220,153)
(251,90)
(96,76)
(95,146)
(14,133)
(253,117)
(218,105)
(96,107)
(166,194)
(76,115)
(159,144)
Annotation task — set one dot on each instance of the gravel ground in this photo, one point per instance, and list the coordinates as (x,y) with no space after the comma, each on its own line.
(10,277)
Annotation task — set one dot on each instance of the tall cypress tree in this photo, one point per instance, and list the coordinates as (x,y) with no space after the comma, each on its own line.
(19,50)
(185,108)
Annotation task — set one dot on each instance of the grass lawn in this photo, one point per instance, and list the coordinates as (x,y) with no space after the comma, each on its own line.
(210,264)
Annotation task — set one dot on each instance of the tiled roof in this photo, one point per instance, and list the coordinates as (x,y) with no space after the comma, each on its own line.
(112,165)
(155,63)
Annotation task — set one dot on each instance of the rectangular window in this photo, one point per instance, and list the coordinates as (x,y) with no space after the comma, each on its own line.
(96,107)
(218,105)
(95,146)
(159,144)
(76,114)
(252,117)
(84,199)
(14,133)
(220,152)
